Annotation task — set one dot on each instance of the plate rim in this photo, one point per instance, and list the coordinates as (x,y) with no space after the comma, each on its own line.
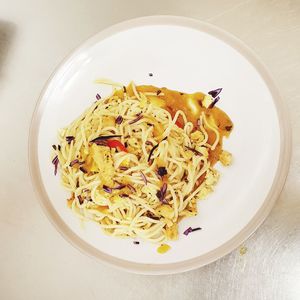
(245,232)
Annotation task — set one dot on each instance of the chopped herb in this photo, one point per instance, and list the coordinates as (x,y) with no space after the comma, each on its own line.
(158,92)
(124,89)
(136,242)
(98,97)
(54,147)
(58,147)
(150,74)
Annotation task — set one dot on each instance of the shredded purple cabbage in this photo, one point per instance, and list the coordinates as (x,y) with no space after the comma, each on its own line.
(119,187)
(100,140)
(55,162)
(124,196)
(107,189)
(70,138)
(152,150)
(190,229)
(161,194)
(123,168)
(214,102)
(74,162)
(194,151)
(140,116)
(119,120)
(215,93)
(132,189)
(144,177)
(149,143)
(98,97)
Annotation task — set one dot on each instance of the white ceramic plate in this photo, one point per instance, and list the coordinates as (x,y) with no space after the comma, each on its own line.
(185,55)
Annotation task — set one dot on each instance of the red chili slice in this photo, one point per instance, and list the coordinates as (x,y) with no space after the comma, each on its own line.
(116,144)
(179,124)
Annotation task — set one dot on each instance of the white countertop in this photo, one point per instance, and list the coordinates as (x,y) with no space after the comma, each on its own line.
(36,262)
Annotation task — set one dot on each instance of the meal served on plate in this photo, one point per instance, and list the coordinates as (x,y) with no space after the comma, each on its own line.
(137,161)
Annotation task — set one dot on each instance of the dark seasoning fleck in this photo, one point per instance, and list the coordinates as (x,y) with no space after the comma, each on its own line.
(162,171)
(83,170)
(80,199)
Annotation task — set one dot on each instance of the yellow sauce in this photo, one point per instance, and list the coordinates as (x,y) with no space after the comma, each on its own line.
(163,248)
(192,106)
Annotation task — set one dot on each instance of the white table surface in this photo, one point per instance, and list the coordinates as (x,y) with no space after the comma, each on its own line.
(35,261)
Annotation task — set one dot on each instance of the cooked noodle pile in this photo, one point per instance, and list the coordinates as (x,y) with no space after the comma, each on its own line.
(132,169)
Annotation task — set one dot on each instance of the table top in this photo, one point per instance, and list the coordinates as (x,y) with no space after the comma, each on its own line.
(36,262)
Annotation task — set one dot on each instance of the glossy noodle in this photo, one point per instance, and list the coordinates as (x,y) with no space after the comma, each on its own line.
(137,161)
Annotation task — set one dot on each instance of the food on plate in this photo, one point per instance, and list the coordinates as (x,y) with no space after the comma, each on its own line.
(136,162)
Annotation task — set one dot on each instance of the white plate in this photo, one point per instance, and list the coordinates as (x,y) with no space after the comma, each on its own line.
(189,56)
